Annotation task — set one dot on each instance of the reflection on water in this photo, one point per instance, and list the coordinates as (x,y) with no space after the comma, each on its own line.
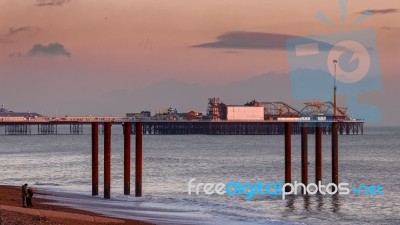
(335,203)
(290,202)
(306,202)
(320,202)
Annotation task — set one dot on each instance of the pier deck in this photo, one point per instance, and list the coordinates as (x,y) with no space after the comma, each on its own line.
(48,126)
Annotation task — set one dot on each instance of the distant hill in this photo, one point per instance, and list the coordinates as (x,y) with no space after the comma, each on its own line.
(191,96)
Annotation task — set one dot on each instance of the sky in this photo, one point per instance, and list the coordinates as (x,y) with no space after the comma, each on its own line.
(103,57)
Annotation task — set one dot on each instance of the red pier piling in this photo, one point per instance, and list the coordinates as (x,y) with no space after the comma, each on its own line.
(139,165)
(95,159)
(107,160)
(127,158)
(318,154)
(288,154)
(304,154)
(335,153)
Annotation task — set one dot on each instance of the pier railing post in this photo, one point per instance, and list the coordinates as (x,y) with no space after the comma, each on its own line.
(288,154)
(318,154)
(95,159)
(304,154)
(107,160)
(335,153)
(127,157)
(139,165)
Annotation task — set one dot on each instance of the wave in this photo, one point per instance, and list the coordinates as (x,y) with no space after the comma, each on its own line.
(46,184)
(178,213)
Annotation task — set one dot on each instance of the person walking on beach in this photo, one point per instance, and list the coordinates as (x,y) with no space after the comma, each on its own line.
(29,197)
(24,194)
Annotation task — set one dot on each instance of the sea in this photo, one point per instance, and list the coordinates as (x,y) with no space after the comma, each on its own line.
(61,164)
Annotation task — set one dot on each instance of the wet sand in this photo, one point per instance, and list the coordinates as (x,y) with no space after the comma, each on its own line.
(13,212)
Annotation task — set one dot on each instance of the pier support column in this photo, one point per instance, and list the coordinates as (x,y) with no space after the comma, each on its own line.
(335,153)
(288,154)
(127,157)
(95,159)
(107,160)
(304,154)
(318,154)
(362,129)
(139,165)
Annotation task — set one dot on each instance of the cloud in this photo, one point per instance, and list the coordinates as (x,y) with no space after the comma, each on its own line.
(248,40)
(3,40)
(386,28)
(232,52)
(15,55)
(52,49)
(379,11)
(13,31)
(51,2)
(259,40)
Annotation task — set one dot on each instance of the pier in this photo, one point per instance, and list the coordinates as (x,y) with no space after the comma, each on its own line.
(49,126)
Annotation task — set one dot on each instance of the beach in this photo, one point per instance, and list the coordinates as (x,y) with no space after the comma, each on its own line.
(11,211)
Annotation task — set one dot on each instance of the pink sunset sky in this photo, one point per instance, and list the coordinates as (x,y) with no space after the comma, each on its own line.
(101,57)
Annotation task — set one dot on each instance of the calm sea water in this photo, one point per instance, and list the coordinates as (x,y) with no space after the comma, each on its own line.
(63,162)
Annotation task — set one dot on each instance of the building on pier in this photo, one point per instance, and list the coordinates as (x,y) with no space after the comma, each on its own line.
(17,115)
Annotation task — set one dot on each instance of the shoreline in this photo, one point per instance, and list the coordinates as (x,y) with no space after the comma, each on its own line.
(46,211)
(130,211)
